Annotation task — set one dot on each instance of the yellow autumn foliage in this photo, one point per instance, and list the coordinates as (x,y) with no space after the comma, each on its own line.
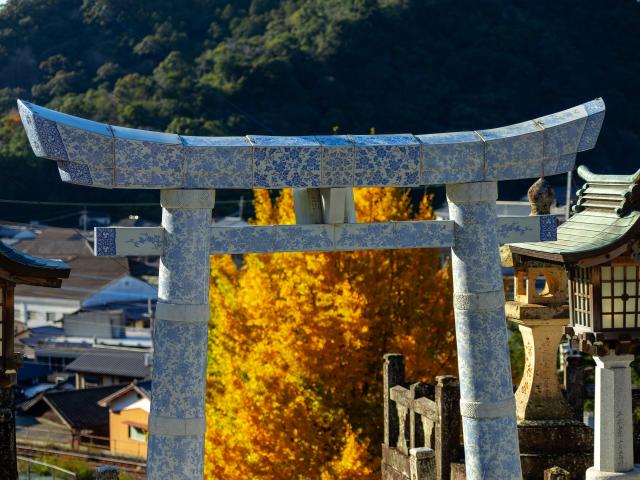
(296,345)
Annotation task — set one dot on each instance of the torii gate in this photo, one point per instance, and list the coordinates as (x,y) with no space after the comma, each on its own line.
(323,170)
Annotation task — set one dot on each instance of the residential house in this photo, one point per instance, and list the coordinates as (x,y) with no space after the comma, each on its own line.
(95,323)
(93,283)
(129,418)
(74,411)
(110,366)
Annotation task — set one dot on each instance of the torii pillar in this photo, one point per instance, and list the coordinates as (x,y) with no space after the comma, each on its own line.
(487,403)
(177,419)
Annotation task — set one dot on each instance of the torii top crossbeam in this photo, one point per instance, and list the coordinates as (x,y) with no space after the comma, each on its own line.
(92,153)
(322,170)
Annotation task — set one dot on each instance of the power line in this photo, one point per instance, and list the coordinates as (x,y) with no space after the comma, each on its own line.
(97,204)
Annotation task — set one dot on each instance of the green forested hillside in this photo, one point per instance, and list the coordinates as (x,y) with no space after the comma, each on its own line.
(304,66)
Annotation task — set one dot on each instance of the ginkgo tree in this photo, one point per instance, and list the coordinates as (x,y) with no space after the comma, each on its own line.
(296,343)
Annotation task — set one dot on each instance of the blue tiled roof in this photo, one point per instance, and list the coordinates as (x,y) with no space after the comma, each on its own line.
(31,261)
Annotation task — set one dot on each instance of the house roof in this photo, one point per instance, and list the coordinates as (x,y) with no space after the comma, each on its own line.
(123,363)
(22,268)
(78,409)
(606,218)
(57,242)
(142,388)
(89,274)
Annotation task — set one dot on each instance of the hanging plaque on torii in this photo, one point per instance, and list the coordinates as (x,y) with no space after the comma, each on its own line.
(322,170)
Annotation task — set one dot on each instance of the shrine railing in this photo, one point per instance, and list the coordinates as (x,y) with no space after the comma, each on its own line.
(422,425)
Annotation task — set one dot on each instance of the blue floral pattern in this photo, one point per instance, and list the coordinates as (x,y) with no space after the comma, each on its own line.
(281,162)
(43,135)
(175,458)
(364,236)
(148,164)
(322,238)
(184,264)
(548,228)
(514,151)
(423,234)
(145,159)
(75,173)
(105,242)
(258,239)
(451,157)
(179,347)
(225,162)
(595,109)
(566,163)
(386,160)
(562,131)
(491,449)
(155,240)
(491,444)
(88,148)
(303,238)
(338,160)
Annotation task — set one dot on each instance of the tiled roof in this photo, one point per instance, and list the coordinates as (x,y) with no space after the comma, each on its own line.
(606,217)
(79,409)
(29,260)
(143,388)
(123,363)
(89,274)
(23,269)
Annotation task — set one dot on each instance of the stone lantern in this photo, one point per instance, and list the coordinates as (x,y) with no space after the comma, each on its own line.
(549,435)
(598,248)
(17,268)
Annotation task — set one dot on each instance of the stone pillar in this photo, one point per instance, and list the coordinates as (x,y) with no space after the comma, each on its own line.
(177,418)
(574,384)
(539,396)
(107,472)
(487,403)
(422,463)
(393,375)
(613,449)
(556,473)
(447,441)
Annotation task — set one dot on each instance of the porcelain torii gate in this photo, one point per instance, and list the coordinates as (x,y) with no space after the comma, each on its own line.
(322,170)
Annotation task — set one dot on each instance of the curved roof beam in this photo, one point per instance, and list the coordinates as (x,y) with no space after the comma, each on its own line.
(92,153)
(588,176)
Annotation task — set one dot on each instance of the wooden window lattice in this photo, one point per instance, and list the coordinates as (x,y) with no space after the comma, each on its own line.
(581,297)
(620,296)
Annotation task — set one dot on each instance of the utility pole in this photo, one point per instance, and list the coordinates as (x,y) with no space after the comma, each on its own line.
(84,218)
(568,196)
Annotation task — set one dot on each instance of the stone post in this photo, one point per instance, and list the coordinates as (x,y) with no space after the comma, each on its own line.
(422,463)
(556,473)
(613,446)
(573,380)
(393,375)
(487,403)
(177,418)
(107,472)
(447,442)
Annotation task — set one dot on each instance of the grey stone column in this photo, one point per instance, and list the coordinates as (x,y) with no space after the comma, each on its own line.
(177,419)
(487,403)
(613,446)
